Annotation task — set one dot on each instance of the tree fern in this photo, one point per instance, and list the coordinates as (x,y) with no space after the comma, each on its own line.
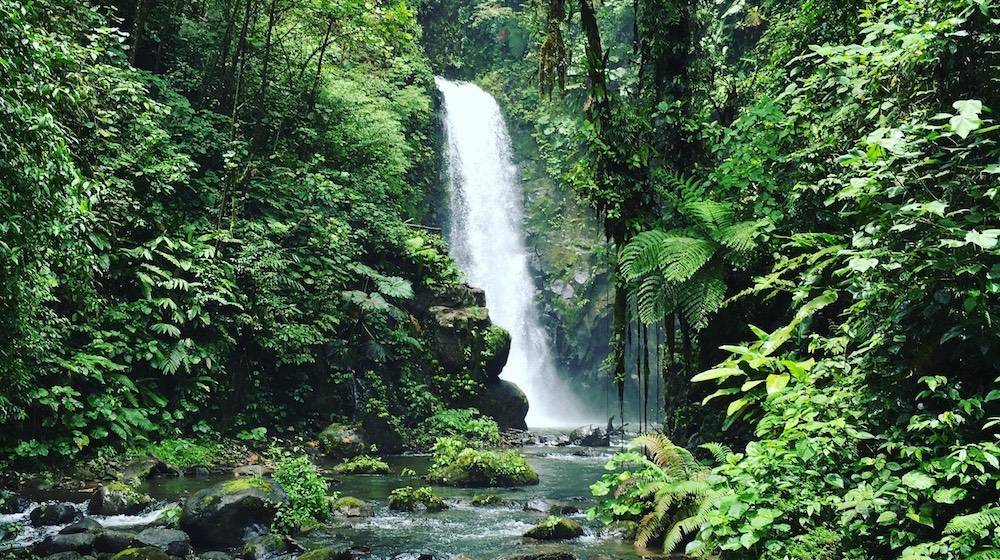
(640,256)
(709,214)
(742,237)
(974,522)
(987,554)
(681,257)
(701,297)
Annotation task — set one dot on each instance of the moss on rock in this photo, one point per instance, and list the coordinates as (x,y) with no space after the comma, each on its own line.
(474,468)
(409,498)
(555,529)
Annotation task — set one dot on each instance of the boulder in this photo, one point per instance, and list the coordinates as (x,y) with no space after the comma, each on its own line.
(82,526)
(52,514)
(252,470)
(342,440)
(220,514)
(112,541)
(269,547)
(590,436)
(82,543)
(328,553)
(554,555)
(146,553)
(496,349)
(117,498)
(349,506)
(9,503)
(68,555)
(171,541)
(214,555)
(148,467)
(548,506)
(506,403)
(555,529)
(382,433)
(453,331)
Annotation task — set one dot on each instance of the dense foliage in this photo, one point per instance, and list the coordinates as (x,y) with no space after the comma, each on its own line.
(803,196)
(206,216)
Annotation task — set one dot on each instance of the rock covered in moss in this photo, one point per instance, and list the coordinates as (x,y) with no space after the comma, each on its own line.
(336,552)
(555,529)
(487,500)
(548,555)
(141,553)
(52,514)
(342,441)
(219,514)
(349,506)
(409,498)
(117,498)
(363,464)
(268,547)
(474,468)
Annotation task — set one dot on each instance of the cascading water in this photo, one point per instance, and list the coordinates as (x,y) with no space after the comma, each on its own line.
(486,236)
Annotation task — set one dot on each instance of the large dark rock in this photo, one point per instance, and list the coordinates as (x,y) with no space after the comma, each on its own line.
(342,441)
(336,552)
(116,498)
(9,503)
(214,555)
(68,555)
(349,506)
(555,529)
(548,506)
(82,526)
(269,547)
(77,542)
(52,514)
(506,403)
(591,436)
(553,555)
(171,541)
(112,541)
(220,514)
(454,330)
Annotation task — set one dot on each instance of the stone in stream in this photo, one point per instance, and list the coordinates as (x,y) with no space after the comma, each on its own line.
(342,441)
(555,529)
(548,506)
(82,543)
(52,514)
(349,506)
(117,498)
(505,402)
(145,553)
(220,514)
(214,555)
(335,552)
(269,547)
(590,436)
(551,555)
(9,503)
(171,541)
(112,541)
(68,555)
(84,525)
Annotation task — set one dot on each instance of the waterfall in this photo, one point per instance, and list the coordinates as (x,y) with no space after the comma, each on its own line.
(486,236)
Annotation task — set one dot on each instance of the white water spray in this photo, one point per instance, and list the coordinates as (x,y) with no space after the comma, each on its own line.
(487,241)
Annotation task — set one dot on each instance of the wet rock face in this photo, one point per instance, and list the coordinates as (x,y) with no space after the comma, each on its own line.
(220,514)
(591,436)
(506,403)
(146,553)
(82,543)
(82,526)
(52,514)
(113,541)
(116,498)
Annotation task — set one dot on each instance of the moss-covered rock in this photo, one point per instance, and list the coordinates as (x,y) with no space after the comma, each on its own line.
(267,546)
(117,498)
(342,441)
(474,468)
(141,553)
(349,506)
(487,500)
(409,498)
(219,514)
(363,464)
(496,348)
(327,553)
(555,529)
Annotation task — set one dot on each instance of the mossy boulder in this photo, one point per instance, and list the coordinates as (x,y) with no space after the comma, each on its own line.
(141,553)
(220,514)
(496,348)
(409,498)
(113,541)
(117,498)
(342,441)
(487,500)
(555,529)
(474,468)
(266,547)
(76,542)
(328,553)
(349,506)
(505,402)
(171,541)
(363,464)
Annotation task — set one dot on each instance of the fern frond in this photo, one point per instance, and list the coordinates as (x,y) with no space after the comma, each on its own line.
(974,522)
(640,256)
(701,297)
(709,214)
(987,554)
(681,257)
(675,460)
(742,237)
(720,453)
(651,299)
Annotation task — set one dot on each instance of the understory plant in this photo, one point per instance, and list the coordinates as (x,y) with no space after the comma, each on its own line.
(308,502)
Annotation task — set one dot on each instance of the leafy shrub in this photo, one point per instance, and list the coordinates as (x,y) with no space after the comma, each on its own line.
(465,424)
(307,494)
(363,464)
(184,453)
(457,465)
(409,498)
